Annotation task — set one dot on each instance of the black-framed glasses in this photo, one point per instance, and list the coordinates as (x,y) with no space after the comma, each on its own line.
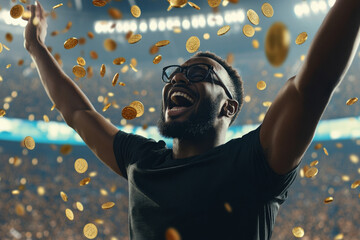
(194,73)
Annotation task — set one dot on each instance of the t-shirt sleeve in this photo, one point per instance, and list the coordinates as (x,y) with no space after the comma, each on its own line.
(270,185)
(129,147)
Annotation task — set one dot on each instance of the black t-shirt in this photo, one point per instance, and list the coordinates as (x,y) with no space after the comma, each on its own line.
(229,192)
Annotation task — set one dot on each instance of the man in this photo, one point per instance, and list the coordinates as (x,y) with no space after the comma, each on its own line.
(205,188)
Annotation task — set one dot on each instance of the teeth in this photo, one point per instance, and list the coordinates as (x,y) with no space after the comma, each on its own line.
(183,95)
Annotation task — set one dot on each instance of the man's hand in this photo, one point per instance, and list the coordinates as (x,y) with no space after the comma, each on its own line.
(36,28)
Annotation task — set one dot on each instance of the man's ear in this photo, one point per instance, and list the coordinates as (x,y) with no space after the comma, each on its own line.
(230,107)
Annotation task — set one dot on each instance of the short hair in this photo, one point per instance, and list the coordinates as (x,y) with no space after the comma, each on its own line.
(237,84)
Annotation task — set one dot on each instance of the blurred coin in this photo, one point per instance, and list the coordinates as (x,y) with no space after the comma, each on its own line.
(134,38)
(153,49)
(9,37)
(314,163)
(81,165)
(172,234)
(46,118)
(311,172)
(90,231)
(90,35)
(69,214)
(66,149)
(162,43)
(192,44)
(261,85)
(109,45)
(139,107)
(57,6)
(177,29)
(301,38)
(325,151)
(84,181)
(93,55)
(64,196)
(1,47)
(157,59)
(119,61)
(194,5)
(328,200)
(26,15)
(253,17)
(248,30)
(135,11)
(99,3)
(71,43)
(278,75)
(108,205)
(81,61)
(277,44)
(355,184)
(255,43)
(228,207)
(16,11)
(267,10)
(79,206)
(214,3)
(223,30)
(351,101)
(177,3)
(102,70)
(115,79)
(106,107)
(2,112)
(79,71)
(133,68)
(115,13)
(29,143)
(133,62)
(129,113)
(298,232)
(53,107)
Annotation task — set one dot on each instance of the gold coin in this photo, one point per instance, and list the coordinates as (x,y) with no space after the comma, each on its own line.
(301,38)
(53,107)
(79,206)
(115,79)
(81,61)
(153,49)
(248,30)
(106,107)
(314,163)
(81,165)
(255,43)
(93,55)
(90,231)
(46,118)
(298,232)
(162,43)
(29,143)
(318,146)
(108,205)
(192,44)
(277,44)
(99,3)
(253,17)
(119,61)
(102,70)
(1,47)
(85,181)
(26,15)
(177,29)
(157,59)
(64,196)
(66,149)
(129,113)
(172,234)
(133,62)
(311,172)
(351,101)
(325,151)
(228,207)
(278,75)
(135,11)
(6,47)
(69,214)
(214,3)
(223,30)
(90,35)
(124,69)
(328,200)
(194,5)
(122,84)
(139,107)
(115,13)
(109,45)
(261,85)
(267,10)
(20,209)
(71,43)
(9,37)
(177,3)
(134,38)
(57,6)
(355,184)
(17,11)
(133,68)
(79,71)
(2,112)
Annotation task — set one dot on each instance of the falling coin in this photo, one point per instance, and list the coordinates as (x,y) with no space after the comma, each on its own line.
(71,43)
(90,231)
(355,184)
(115,13)
(253,17)
(311,172)
(177,3)
(267,10)
(79,206)
(314,163)
(64,196)
(261,85)
(9,37)
(2,112)
(162,43)
(69,214)
(17,11)
(134,38)
(351,101)
(328,200)
(248,30)
(29,143)
(81,61)
(223,30)
(301,38)
(99,3)
(93,55)
(119,61)
(84,181)
(106,107)
(277,44)
(129,113)
(135,11)
(172,234)
(194,5)
(153,49)
(214,3)
(81,165)
(115,79)
(157,59)
(139,107)
(192,44)
(298,232)
(108,205)
(102,70)
(109,45)
(79,71)
(57,6)
(255,43)
(65,149)
(325,151)
(228,207)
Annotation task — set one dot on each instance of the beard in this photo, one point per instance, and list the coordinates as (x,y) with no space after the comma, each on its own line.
(197,124)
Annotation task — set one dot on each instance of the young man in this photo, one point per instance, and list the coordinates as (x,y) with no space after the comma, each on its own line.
(204,187)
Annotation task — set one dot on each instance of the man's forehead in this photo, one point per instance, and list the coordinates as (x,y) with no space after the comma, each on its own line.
(202,60)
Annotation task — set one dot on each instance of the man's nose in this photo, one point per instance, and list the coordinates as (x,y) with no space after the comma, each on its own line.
(180,77)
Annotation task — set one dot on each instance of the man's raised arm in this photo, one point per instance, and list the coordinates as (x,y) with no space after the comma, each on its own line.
(72,103)
(290,122)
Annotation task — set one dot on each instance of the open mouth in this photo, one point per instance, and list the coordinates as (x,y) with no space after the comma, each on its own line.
(179,103)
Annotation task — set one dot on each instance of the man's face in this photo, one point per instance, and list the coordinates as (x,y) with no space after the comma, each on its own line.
(198,115)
